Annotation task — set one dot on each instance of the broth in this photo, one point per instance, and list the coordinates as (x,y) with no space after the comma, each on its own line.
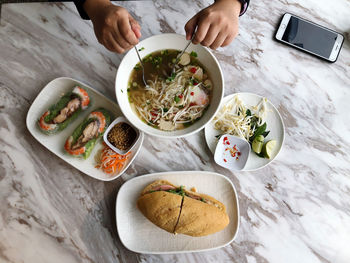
(174,101)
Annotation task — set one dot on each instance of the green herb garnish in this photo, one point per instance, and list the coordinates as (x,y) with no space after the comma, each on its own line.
(172,77)
(179,191)
(259,131)
(265,133)
(194,54)
(141,49)
(176,99)
(254,122)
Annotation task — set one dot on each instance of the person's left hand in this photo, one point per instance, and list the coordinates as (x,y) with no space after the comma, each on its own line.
(217,25)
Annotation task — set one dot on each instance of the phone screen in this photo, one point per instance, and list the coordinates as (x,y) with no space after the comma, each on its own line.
(310,37)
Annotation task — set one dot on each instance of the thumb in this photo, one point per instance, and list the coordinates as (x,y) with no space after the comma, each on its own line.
(191,26)
(135,27)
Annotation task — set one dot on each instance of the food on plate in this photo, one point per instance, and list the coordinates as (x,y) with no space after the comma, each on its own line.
(179,211)
(111,162)
(172,101)
(248,123)
(84,137)
(268,148)
(160,204)
(122,136)
(59,115)
(201,215)
(231,151)
(258,143)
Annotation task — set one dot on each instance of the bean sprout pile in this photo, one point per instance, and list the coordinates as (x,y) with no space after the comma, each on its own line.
(236,118)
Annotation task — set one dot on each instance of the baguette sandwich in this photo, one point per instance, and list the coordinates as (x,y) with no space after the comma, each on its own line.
(179,211)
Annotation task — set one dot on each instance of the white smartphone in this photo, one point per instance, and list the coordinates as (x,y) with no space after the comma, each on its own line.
(310,37)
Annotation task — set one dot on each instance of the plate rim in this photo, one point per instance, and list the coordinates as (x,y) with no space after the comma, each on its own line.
(164,135)
(278,114)
(180,173)
(29,112)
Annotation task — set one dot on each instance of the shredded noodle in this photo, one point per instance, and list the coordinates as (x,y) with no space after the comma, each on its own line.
(169,103)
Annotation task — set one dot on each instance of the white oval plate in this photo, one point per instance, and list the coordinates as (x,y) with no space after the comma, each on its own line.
(274,125)
(48,96)
(138,234)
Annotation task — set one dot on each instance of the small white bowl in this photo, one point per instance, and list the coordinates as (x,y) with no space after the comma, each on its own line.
(223,156)
(161,42)
(117,120)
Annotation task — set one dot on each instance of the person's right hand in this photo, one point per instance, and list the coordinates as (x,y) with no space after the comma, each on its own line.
(114,27)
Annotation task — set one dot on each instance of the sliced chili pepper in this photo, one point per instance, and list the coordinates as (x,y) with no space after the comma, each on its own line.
(193,70)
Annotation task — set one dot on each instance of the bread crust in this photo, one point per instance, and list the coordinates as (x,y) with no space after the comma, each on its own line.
(200,219)
(216,203)
(190,217)
(161,208)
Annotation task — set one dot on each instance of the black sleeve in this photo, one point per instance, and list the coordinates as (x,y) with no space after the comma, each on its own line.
(245,4)
(79,5)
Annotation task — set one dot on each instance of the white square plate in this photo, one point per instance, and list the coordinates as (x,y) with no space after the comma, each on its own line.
(48,96)
(138,234)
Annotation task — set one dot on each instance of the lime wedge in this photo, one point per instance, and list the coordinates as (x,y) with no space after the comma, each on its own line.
(258,143)
(268,148)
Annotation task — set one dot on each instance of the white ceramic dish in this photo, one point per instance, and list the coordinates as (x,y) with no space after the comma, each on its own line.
(274,125)
(138,234)
(134,144)
(48,96)
(160,42)
(223,156)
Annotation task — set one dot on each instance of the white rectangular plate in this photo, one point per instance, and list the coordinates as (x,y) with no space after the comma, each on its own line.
(50,95)
(138,234)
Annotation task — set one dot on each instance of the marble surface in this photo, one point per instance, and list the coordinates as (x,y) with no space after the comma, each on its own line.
(294,210)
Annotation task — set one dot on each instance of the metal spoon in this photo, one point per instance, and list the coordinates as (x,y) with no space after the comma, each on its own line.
(143,69)
(183,51)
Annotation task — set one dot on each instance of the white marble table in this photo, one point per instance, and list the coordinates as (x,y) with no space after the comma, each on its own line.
(295,210)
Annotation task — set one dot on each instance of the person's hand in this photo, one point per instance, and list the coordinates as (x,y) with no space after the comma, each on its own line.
(114,27)
(217,25)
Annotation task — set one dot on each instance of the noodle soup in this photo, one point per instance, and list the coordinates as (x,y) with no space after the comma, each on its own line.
(172,101)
